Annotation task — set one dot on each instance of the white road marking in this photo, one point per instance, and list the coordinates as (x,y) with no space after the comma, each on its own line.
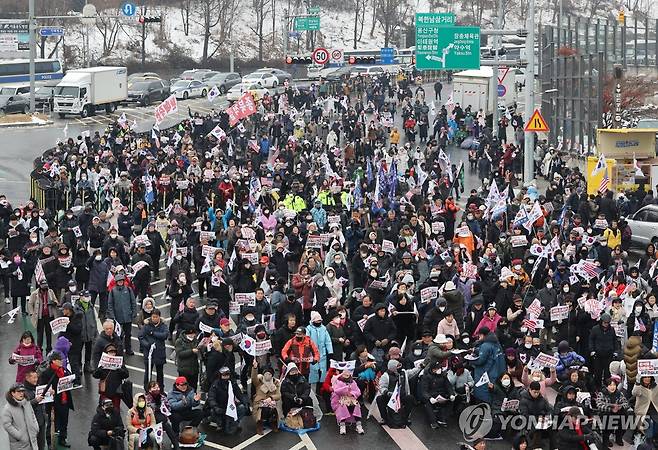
(308,442)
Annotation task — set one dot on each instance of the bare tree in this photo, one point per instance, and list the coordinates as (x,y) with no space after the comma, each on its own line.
(186,13)
(390,14)
(108,27)
(359,19)
(261,9)
(216,18)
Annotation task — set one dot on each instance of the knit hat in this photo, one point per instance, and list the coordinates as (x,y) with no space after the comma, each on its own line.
(392,365)
(315,317)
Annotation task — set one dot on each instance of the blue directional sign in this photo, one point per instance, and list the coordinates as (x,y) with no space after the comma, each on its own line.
(128,9)
(51,31)
(387,55)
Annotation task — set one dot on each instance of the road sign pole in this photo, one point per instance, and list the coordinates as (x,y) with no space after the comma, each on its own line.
(494,79)
(284,27)
(529,141)
(33,54)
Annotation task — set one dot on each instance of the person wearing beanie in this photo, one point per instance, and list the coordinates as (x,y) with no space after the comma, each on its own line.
(302,351)
(18,419)
(603,347)
(379,331)
(566,358)
(393,377)
(295,390)
(533,404)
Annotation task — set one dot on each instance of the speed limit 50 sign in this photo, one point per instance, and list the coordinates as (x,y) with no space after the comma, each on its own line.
(320,55)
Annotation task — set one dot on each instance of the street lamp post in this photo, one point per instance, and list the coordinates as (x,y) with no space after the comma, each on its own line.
(529,141)
(33,54)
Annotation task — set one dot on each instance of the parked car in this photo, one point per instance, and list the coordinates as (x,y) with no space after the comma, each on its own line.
(314,71)
(190,74)
(339,74)
(281,75)
(43,96)
(185,89)
(205,76)
(14,104)
(14,89)
(142,75)
(261,78)
(224,81)
(146,90)
(366,71)
(643,225)
(256,90)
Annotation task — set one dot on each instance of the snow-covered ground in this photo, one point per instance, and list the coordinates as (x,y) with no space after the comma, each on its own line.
(337,30)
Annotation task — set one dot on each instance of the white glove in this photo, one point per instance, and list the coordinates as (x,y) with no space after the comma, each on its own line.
(433,400)
(452,398)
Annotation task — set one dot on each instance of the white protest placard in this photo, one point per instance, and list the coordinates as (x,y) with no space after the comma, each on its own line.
(535,308)
(262,347)
(252,257)
(519,241)
(246,298)
(388,246)
(438,227)
(48,396)
(378,284)
(270,321)
(333,219)
(582,396)
(343,365)
(23,360)
(248,233)
(58,325)
(620,329)
(208,250)
(647,367)
(77,231)
(509,405)
(559,313)
(208,235)
(314,241)
(362,323)
(462,231)
(205,328)
(233,307)
(545,360)
(429,293)
(484,379)
(110,362)
(470,270)
(66,384)
(600,224)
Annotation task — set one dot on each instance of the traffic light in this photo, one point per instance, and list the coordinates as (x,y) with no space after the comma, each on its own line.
(149,19)
(298,59)
(362,60)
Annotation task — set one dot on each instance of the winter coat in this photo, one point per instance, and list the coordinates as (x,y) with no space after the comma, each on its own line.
(63,346)
(34,306)
(20,280)
(490,360)
(154,334)
(20,423)
(336,332)
(259,395)
(101,423)
(98,271)
(113,379)
(568,360)
(181,402)
(121,304)
(536,407)
(218,395)
(604,343)
(499,393)
(378,328)
(89,323)
(432,385)
(102,341)
(301,353)
(293,388)
(455,305)
(187,360)
(21,350)
(341,389)
(322,340)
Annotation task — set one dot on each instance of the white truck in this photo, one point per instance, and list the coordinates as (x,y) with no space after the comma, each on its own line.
(84,91)
(472,87)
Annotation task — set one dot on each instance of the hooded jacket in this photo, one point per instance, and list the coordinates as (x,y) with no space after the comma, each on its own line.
(133,422)
(379,328)
(20,423)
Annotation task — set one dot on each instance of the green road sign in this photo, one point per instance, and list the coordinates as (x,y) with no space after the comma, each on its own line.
(314,10)
(310,23)
(435,19)
(447,48)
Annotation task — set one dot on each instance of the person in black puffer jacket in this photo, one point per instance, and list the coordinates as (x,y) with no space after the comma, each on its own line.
(432,385)
(604,347)
(379,330)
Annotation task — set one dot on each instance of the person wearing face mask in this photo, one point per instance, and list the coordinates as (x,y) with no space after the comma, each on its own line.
(62,401)
(97,285)
(345,404)
(302,351)
(153,335)
(187,359)
(639,323)
(123,308)
(140,420)
(179,291)
(20,274)
(157,400)
(502,389)
(437,395)
(290,306)
(604,347)
(42,308)
(295,390)
(217,405)
(318,334)
(435,315)
(18,419)
(106,427)
(116,242)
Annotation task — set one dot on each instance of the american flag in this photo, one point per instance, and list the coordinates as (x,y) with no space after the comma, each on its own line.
(530,324)
(39,274)
(604,185)
(588,269)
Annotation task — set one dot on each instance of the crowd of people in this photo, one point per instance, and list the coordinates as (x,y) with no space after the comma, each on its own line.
(317,259)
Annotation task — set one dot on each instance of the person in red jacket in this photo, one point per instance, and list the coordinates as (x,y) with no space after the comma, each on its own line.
(301,350)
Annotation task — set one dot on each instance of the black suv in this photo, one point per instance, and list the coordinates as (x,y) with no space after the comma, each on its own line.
(146,91)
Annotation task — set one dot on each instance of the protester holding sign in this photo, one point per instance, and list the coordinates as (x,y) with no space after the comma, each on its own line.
(152,340)
(27,356)
(63,401)
(42,307)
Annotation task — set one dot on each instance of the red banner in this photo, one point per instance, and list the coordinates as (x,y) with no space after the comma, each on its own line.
(169,106)
(244,107)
